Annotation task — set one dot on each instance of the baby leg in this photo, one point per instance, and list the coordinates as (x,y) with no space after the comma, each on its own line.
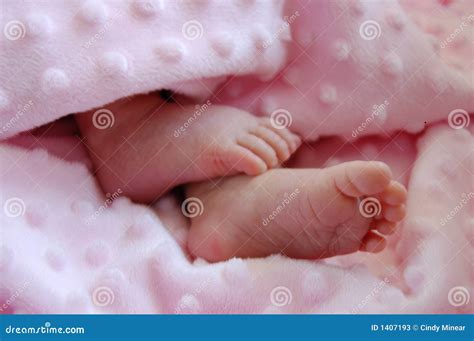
(154,145)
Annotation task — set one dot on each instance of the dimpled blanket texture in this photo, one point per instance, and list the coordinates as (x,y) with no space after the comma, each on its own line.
(369,80)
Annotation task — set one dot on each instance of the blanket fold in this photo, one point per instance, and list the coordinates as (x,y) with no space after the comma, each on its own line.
(387,80)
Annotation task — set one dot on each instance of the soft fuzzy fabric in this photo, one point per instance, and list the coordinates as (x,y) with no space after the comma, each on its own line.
(322,65)
(343,58)
(63,252)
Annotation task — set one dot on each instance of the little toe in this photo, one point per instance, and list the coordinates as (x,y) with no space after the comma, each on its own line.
(260,148)
(373,242)
(246,161)
(280,145)
(394,194)
(384,227)
(394,213)
(291,139)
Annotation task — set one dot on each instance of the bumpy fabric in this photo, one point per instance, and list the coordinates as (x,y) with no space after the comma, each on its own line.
(329,67)
(65,249)
(343,58)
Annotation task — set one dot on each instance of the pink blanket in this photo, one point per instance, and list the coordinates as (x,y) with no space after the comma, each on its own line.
(358,80)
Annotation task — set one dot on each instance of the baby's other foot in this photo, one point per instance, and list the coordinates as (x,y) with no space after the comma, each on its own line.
(154,146)
(302,213)
(235,142)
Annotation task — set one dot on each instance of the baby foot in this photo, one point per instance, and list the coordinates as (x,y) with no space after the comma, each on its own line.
(302,213)
(154,146)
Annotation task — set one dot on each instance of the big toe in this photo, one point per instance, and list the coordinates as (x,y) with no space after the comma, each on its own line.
(359,178)
(372,177)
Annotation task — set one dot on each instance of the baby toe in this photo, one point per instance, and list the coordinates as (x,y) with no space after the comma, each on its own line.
(291,139)
(245,161)
(372,177)
(394,194)
(384,227)
(260,148)
(373,242)
(279,144)
(394,213)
